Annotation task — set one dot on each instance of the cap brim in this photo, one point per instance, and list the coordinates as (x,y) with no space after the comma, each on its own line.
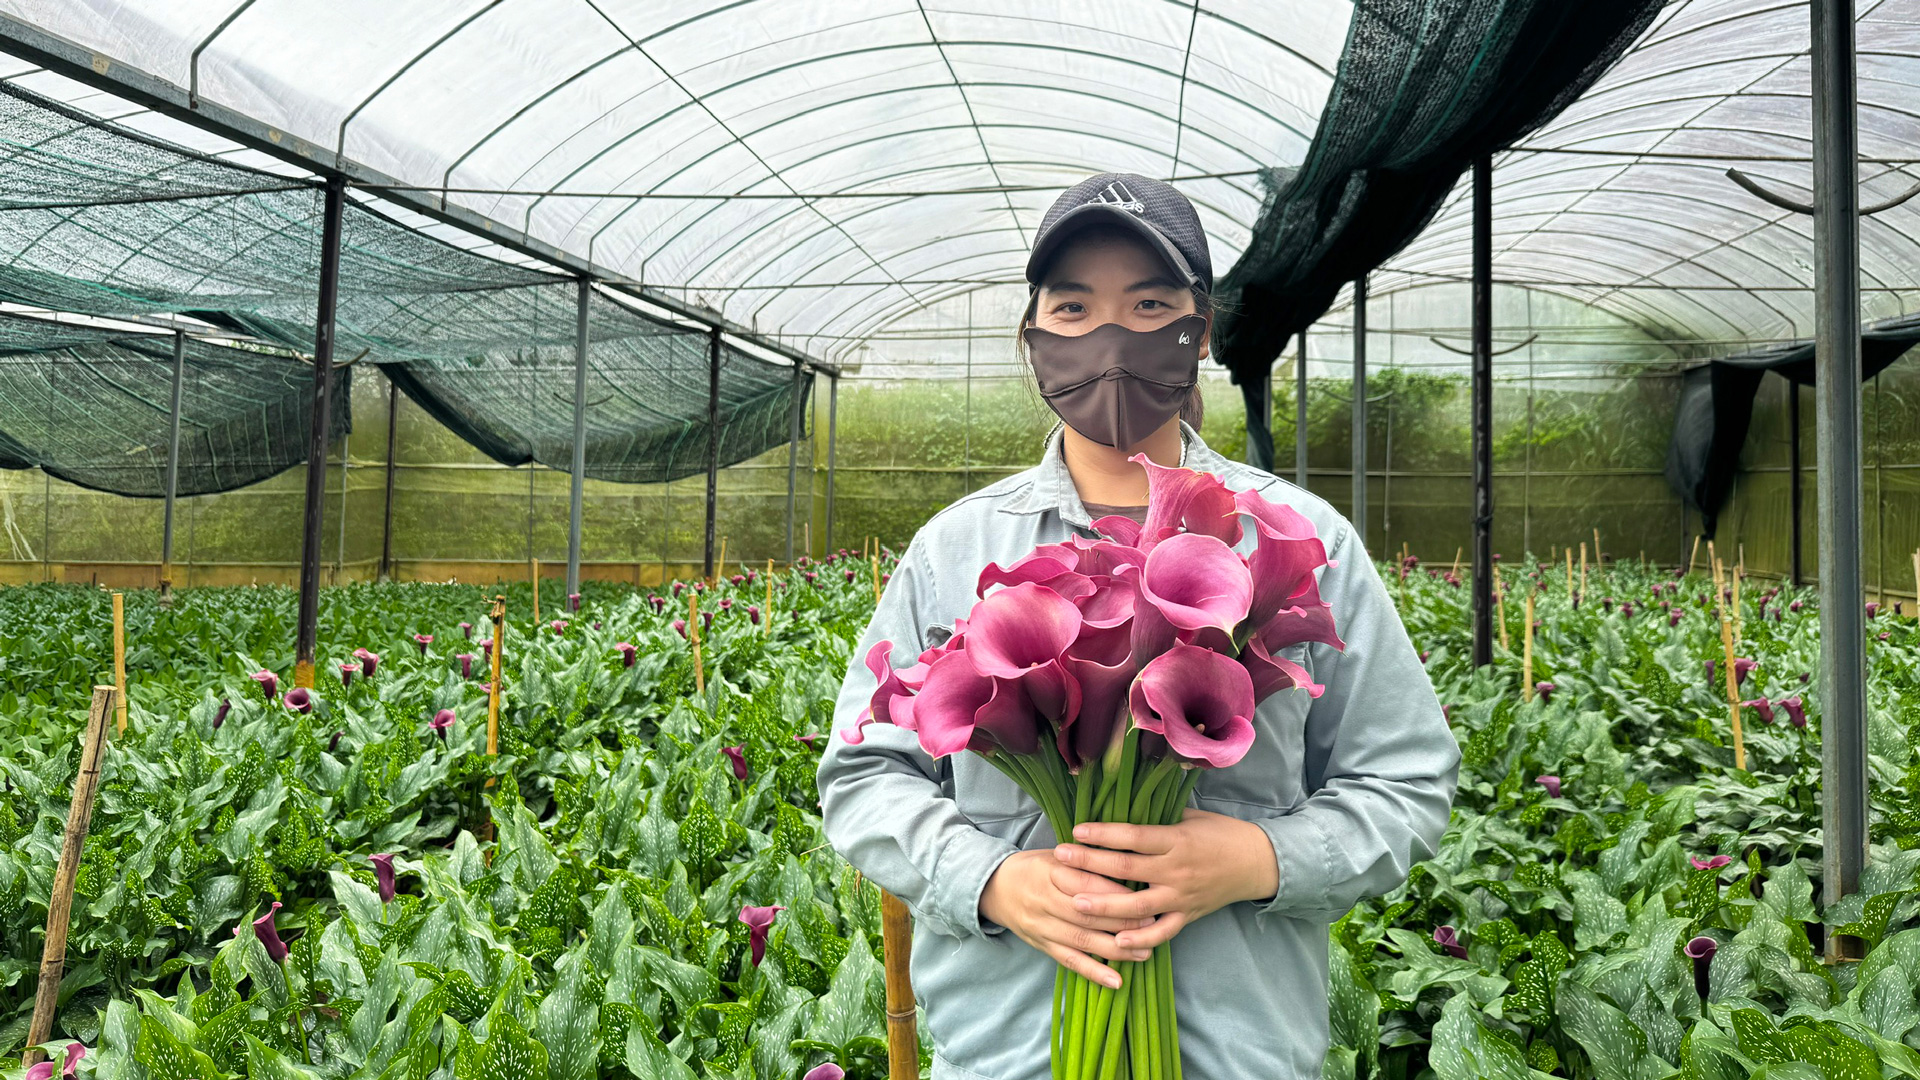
(1097,213)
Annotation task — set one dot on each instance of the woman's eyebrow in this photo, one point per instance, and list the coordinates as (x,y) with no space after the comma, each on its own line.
(1154,283)
(1068,286)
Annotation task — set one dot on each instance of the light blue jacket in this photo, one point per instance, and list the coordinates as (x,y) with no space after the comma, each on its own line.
(1354,788)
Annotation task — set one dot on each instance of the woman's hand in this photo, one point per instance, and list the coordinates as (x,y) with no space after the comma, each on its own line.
(1191,869)
(1032,894)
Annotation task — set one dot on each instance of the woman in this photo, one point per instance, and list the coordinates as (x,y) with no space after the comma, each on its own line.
(1336,801)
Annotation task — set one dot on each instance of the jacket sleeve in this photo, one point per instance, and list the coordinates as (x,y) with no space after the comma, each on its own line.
(883,803)
(1381,762)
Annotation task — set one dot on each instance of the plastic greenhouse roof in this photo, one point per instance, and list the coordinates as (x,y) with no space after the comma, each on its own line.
(822,170)
(769,103)
(1623,201)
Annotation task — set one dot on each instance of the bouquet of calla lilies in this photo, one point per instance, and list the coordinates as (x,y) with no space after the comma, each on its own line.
(1101,676)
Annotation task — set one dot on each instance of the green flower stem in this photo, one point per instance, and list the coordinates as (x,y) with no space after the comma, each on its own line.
(1057,1054)
(1156,1061)
(1141,1068)
(1116,1034)
(1163,956)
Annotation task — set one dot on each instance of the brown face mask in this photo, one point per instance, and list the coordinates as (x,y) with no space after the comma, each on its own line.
(1114,385)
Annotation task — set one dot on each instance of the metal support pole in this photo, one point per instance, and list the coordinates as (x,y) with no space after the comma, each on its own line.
(1300,416)
(386,524)
(309,613)
(1836,279)
(793,453)
(577,495)
(1482,411)
(1797,537)
(1359,516)
(713,443)
(173,462)
(833,409)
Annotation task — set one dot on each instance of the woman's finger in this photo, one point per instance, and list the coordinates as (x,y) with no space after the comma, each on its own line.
(1147,903)
(1073,882)
(1082,964)
(1145,839)
(1118,865)
(1061,907)
(1160,932)
(1092,942)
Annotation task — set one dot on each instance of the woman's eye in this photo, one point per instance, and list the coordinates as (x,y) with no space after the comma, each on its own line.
(1152,305)
(1071,307)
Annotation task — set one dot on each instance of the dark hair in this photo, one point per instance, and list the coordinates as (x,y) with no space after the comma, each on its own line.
(1194,411)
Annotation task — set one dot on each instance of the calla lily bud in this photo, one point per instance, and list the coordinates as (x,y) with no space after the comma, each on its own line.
(1796,711)
(1873,609)
(1743,667)
(738,756)
(677,587)
(753,614)
(1551,783)
(1673,617)
(220,714)
(486,647)
(299,699)
(263,929)
(466,630)
(736,579)
(627,653)
(441,721)
(706,621)
(1544,690)
(726,603)
(573,601)
(334,743)
(347,671)
(383,873)
(559,626)
(759,922)
(466,665)
(680,627)
(423,640)
(368,661)
(1700,950)
(826,1070)
(269,683)
(1449,940)
(1713,863)
(1761,706)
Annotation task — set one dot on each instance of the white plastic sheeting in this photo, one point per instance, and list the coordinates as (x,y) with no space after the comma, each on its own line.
(780,140)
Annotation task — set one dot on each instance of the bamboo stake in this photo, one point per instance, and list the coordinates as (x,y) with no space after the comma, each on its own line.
(719,565)
(1583,569)
(53,957)
(1733,693)
(1457,552)
(1695,554)
(1739,622)
(876,571)
(1526,664)
(693,634)
(120,664)
(1569,575)
(1598,562)
(534,573)
(498,616)
(1500,603)
(903,1038)
(1916,583)
(766,620)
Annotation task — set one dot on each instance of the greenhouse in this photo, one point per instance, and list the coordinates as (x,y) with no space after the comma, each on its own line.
(525,523)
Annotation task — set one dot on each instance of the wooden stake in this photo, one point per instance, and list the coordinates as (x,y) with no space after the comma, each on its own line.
(903,1037)
(766,617)
(1500,603)
(119,664)
(1583,569)
(1695,554)
(53,957)
(1457,552)
(1733,692)
(719,566)
(876,571)
(693,635)
(1526,663)
(1570,575)
(1598,562)
(1916,583)
(534,573)
(1739,623)
(498,616)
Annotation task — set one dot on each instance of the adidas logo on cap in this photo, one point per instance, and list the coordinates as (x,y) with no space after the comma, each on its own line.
(1118,194)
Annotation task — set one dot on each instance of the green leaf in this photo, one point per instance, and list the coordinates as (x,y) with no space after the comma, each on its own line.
(1615,1045)
(1597,914)
(266,1063)
(648,1057)
(854,1008)
(1462,1049)
(568,1020)
(167,1057)
(508,1054)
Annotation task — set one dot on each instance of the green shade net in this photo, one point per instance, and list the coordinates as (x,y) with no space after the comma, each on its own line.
(103,221)
(1423,87)
(90,406)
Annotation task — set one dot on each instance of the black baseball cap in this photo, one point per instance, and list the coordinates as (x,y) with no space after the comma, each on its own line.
(1151,208)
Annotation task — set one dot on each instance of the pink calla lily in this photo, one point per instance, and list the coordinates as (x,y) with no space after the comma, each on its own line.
(1449,940)
(1288,552)
(269,936)
(826,1070)
(737,755)
(383,874)
(1101,662)
(1200,701)
(759,922)
(1019,634)
(960,709)
(1186,501)
(1197,581)
(1713,863)
(1272,673)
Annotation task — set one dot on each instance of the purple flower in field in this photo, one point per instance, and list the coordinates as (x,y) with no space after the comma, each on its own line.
(1804,676)
(657,601)
(263,929)
(753,614)
(680,627)
(677,587)
(759,922)
(299,699)
(1884,635)
(486,688)
(1673,619)
(596,624)
(884,578)
(1446,713)
(1626,611)
(368,661)
(1873,609)
(1551,783)
(383,873)
(466,630)
(736,579)
(826,1070)
(334,743)
(810,576)
(441,721)
(347,671)
(1712,666)
(220,714)
(559,626)
(1423,655)
(1449,940)
(1714,863)
(1796,710)
(1545,690)
(751,574)
(1776,614)
(1761,706)
(1700,950)
(726,603)
(706,621)
(573,601)
(466,665)
(1606,604)
(627,652)
(738,756)
(849,574)
(1743,667)
(486,647)
(269,683)
(423,640)
(1795,607)
(44,1070)
(808,738)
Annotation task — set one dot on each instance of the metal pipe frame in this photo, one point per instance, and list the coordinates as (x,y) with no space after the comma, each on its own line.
(713,444)
(576,496)
(1359,515)
(386,524)
(1481,395)
(173,461)
(1795,497)
(833,410)
(793,453)
(307,632)
(1300,415)
(1836,232)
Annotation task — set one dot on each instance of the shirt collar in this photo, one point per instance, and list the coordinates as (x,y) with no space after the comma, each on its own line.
(1052,487)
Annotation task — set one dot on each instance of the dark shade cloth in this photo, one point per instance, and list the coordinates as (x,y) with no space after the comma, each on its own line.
(1423,87)
(1716,407)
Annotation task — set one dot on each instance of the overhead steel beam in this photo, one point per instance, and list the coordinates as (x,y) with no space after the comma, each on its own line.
(1836,282)
(576,496)
(173,463)
(833,409)
(1481,395)
(793,454)
(57,54)
(386,522)
(307,627)
(713,447)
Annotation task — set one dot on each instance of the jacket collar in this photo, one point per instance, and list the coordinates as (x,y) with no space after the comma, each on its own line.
(1051,487)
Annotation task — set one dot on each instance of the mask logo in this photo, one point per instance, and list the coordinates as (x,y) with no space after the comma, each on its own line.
(1183,339)
(1120,195)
